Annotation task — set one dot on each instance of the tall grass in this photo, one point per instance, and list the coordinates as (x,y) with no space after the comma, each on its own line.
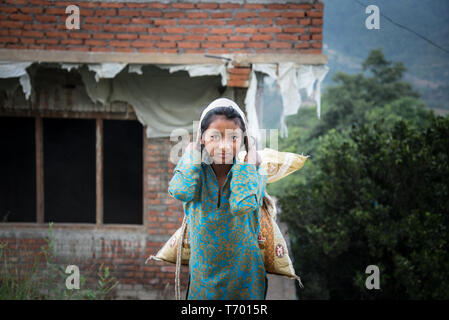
(48,282)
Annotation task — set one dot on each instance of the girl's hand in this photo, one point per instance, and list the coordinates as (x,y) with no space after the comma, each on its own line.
(252,156)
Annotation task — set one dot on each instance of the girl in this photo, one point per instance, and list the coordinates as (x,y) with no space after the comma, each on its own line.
(222,197)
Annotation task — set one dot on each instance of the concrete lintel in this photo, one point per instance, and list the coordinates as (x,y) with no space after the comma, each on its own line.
(153,58)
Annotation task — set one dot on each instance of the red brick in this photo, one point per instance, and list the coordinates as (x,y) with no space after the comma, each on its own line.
(177,14)
(319,6)
(57,11)
(154,14)
(253,6)
(314,14)
(79,35)
(287,21)
(234,45)
(239,70)
(238,38)
(126,36)
(197,15)
(190,22)
(315,30)
(175,30)
(172,38)
(95,20)
(304,21)
(188,44)
(21,17)
(302,45)
(207,5)
(8,9)
(56,34)
(160,22)
(270,30)
(293,14)
(128,13)
(203,30)
(195,37)
(103,35)
(229,6)
(142,44)
(111,5)
(100,49)
(149,37)
(166,44)
(141,21)
(8,40)
(183,5)
(113,28)
(256,44)
(136,5)
(118,20)
(262,37)
(317,45)
(106,12)
(221,15)
(302,6)
(269,14)
(159,5)
(280,45)
(135,28)
(236,22)
(31,10)
(218,38)
(317,37)
(246,30)
(277,6)
(46,18)
(27,40)
(116,43)
(95,43)
(47,41)
(261,21)
(294,30)
(222,31)
(72,41)
(311,51)
(238,83)
(36,34)
(243,15)
(213,22)
(287,37)
(211,45)
(317,21)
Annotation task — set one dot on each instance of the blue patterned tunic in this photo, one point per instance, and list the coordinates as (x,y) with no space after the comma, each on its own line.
(225,259)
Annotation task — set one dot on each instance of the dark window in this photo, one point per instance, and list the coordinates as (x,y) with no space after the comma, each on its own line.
(123,171)
(17,170)
(69,170)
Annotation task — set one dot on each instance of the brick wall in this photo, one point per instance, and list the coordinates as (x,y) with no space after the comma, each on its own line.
(164,27)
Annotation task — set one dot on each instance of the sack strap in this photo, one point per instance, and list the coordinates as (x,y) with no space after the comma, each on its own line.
(179,258)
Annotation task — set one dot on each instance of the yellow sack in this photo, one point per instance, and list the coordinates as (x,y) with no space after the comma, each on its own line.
(278,164)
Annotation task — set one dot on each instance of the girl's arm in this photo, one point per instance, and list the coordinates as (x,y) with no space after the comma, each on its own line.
(247,188)
(185,182)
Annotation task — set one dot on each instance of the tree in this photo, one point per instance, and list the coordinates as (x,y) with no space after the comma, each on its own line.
(374,192)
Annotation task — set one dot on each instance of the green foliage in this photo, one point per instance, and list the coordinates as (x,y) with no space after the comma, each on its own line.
(374,192)
(47,283)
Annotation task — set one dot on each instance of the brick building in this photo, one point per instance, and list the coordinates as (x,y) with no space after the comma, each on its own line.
(86,115)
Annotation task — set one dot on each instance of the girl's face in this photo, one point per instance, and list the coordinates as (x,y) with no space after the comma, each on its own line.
(222,139)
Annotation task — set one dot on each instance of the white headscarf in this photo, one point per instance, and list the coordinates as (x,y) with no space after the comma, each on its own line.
(223,102)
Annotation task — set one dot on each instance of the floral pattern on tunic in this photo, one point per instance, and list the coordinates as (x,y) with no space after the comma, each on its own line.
(225,259)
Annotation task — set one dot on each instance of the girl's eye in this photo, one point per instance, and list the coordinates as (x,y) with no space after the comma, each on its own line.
(215,137)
